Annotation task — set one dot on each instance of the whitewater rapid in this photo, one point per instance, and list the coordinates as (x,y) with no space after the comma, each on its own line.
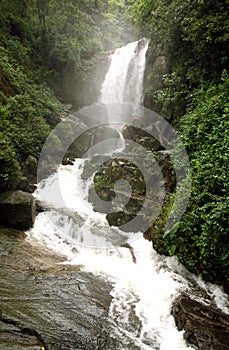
(147,286)
(143,285)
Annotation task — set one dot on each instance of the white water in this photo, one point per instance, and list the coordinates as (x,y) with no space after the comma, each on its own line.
(124,79)
(71,228)
(142,285)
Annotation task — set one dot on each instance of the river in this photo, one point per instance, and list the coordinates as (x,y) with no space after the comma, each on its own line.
(143,285)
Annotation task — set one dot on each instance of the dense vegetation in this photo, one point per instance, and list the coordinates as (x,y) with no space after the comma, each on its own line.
(48,51)
(47,47)
(192,36)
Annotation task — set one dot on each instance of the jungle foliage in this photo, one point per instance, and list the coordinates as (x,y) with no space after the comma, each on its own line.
(193,93)
(48,49)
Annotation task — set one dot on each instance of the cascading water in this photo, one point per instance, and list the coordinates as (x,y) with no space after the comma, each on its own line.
(124,79)
(143,290)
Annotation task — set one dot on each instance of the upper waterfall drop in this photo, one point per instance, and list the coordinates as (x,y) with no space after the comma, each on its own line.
(124,79)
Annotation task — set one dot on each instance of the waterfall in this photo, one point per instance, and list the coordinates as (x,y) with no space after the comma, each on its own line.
(124,79)
(143,290)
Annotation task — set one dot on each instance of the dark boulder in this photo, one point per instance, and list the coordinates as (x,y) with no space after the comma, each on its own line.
(142,137)
(30,169)
(94,115)
(79,146)
(28,180)
(103,132)
(17,209)
(206,327)
(25,185)
(67,161)
(127,222)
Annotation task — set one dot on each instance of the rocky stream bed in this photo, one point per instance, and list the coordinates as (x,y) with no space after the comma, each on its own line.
(48,305)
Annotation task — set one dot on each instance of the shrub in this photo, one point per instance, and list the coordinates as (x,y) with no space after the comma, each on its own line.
(9,165)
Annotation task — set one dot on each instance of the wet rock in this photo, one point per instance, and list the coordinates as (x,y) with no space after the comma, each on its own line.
(118,179)
(14,338)
(140,136)
(41,206)
(79,146)
(30,168)
(17,254)
(93,117)
(68,161)
(56,306)
(64,311)
(52,154)
(25,185)
(29,175)
(17,209)
(121,189)
(127,222)
(115,170)
(149,143)
(104,133)
(129,132)
(206,327)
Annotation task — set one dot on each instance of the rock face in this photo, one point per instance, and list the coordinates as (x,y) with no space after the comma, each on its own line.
(17,209)
(205,327)
(55,307)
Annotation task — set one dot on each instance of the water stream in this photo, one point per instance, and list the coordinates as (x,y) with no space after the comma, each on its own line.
(143,290)
(124,79)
